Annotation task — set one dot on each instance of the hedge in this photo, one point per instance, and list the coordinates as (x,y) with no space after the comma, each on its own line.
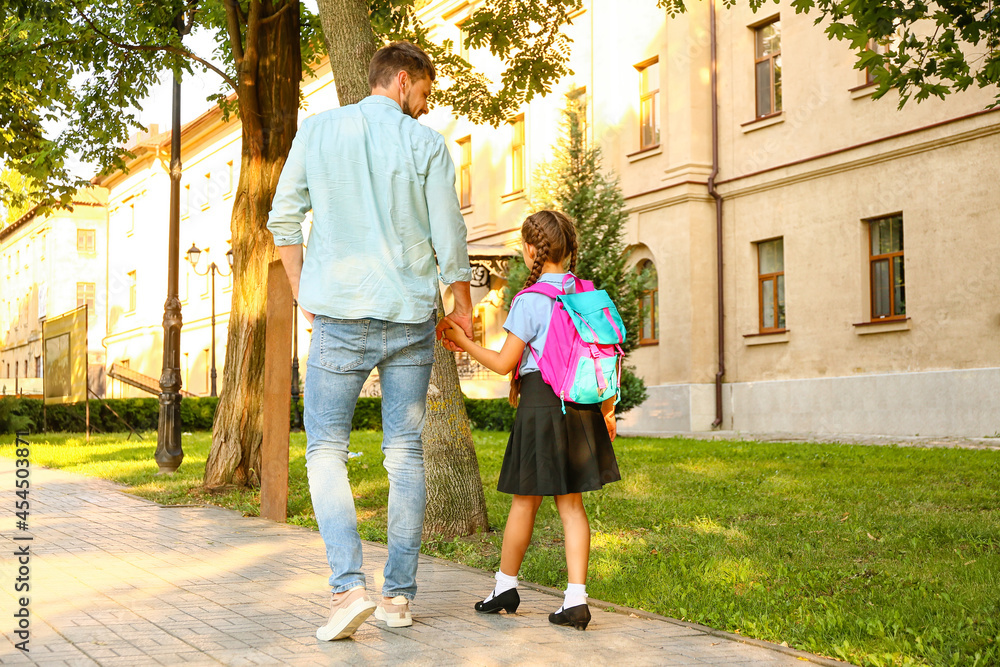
(196,414)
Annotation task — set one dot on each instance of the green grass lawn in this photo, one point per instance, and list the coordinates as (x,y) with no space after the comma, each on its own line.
(877,555)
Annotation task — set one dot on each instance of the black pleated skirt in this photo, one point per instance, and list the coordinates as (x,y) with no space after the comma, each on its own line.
(550,453)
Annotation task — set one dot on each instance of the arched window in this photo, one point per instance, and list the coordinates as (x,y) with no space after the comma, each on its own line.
(649,304)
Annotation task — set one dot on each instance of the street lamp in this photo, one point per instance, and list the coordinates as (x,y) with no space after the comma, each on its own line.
(169,452)
(193,255)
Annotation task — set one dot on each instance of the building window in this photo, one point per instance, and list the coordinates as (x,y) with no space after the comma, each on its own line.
(463,48)
(649,306)
(577,104)
(465,172)
(207,192)
(229,177)
(517,154)
(767,68)
(771,285)
(38,367)
(85,296)
(131,216)
(649,107)
(186,200)
(888,284)
(131,291)
(86,240)
(880,46)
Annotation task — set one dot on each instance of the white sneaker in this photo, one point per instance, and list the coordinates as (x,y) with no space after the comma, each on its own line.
(347,613)
(395,612)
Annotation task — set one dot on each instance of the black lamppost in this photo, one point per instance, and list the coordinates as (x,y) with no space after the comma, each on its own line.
(169,453)
(193,254)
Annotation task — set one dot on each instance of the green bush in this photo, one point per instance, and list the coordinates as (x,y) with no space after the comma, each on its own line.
(367,414)
(490,414)
(198,413)
(12,416)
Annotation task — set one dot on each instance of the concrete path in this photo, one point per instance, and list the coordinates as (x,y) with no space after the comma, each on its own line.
(118,580)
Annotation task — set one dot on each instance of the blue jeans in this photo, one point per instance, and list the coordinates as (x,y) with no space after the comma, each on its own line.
(342,354)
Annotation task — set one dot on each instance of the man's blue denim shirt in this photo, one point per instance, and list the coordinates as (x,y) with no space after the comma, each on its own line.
(382,190)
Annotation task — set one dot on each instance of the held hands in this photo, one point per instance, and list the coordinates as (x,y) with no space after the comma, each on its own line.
(451,327)
(453,333)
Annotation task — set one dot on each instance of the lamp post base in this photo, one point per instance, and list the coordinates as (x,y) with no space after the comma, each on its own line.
(169,453)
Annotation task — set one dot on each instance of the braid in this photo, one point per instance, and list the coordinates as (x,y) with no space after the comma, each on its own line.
(541,253)
(571,244)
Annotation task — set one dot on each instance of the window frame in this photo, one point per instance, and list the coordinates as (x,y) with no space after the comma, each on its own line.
(654,301)
(132,283)
(517,154)
(758,60)
(888,258)
(91,236)
(208,192)
(90,300)
(465,172)
(463,50)
(653,96)
(765,277)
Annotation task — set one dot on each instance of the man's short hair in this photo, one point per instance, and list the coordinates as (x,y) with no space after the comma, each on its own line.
(399,56)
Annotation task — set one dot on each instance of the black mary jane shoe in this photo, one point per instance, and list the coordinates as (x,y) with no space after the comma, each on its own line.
(508,601)
(578,617)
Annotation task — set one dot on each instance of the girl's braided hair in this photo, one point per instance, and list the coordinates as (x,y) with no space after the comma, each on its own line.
(553,236)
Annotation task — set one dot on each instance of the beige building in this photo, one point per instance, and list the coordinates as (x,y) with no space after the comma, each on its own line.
(51,264)
(857,292)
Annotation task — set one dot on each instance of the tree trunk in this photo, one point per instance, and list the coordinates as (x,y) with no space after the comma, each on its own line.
(456,504)
(269,78)
(350,43)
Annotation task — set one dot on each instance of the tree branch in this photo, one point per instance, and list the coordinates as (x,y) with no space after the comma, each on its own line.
(268,19)
(167,49)
(233,20)
(249,102)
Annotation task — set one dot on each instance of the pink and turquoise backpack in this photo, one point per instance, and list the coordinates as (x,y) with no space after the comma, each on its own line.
(582,353)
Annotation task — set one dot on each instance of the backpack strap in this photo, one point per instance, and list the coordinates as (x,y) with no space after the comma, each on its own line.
(547,289)
(580,285)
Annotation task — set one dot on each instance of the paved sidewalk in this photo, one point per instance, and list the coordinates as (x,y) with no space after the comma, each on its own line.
(118,580)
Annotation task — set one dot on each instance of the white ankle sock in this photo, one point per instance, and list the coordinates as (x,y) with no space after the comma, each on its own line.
(504,584)
(576,594)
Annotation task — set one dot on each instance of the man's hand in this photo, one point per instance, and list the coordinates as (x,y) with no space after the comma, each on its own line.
(309,316)
(461,320)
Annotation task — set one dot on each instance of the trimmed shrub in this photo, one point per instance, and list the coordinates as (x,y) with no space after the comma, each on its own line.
(12,416)
(490,414)
(198,414)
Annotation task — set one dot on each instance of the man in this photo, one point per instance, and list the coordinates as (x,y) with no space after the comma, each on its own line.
(382,190)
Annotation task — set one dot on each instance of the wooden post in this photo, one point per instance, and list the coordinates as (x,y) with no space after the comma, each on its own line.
(277,395)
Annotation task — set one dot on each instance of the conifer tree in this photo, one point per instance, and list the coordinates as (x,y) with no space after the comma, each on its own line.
(574,183)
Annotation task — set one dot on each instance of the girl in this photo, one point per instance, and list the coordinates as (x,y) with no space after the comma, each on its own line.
(549,453)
